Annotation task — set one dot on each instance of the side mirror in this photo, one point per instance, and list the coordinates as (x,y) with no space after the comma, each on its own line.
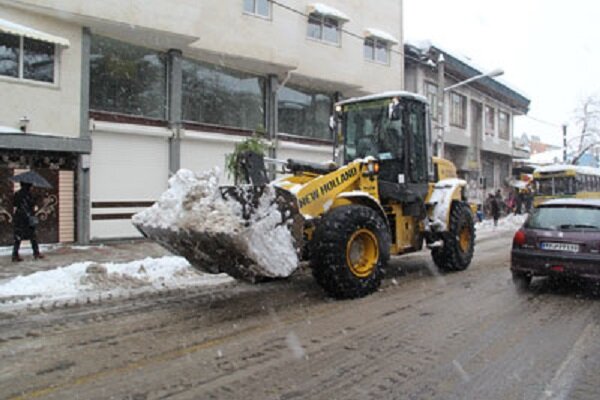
(332,124)
(395,111)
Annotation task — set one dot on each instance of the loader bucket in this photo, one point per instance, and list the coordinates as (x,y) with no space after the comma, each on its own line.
(246,252)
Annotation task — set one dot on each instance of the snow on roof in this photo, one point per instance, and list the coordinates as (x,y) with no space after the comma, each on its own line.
(385,95)
(327,11)
(22,30)
(425,45)
(379,34)
(8,129)
(564,167)
(571,202)
(546,157)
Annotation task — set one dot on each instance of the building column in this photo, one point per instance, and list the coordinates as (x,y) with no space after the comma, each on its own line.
(83,203)
(175,93)
(271,118)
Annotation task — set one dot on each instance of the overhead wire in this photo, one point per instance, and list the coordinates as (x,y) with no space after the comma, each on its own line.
(398,52)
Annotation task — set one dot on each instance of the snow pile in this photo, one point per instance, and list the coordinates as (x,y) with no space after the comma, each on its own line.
(192,219)
(88,280)
(191,200)
(509,223)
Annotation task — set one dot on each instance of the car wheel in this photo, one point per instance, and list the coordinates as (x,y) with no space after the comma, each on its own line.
(521,280)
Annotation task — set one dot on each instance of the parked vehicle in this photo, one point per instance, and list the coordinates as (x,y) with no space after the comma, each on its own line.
(560,238)
(565,181)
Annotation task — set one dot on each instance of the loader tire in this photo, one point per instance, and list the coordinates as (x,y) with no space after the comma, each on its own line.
(349,250)
(459,241)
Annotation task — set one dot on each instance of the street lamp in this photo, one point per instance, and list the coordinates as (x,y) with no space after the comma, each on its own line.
(492,74)
(442,94)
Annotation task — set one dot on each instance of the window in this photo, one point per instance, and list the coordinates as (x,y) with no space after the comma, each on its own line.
(505,170)
(26,58)
(487,171)
(503,125)
(257,7)
(304,113)
(218,96)
(431,94)
(377,50)
(324,28)
(458,107)
(417,159)
(127,79)
(490,120)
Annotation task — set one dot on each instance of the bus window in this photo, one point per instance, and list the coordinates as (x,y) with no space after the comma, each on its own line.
(545,187)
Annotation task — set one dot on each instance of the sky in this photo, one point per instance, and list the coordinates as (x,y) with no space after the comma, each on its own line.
(549,50)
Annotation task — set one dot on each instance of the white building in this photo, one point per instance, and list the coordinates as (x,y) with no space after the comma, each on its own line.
(107,98)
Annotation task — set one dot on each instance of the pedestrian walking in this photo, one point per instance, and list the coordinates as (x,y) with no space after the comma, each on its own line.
(24,220)
(494,208)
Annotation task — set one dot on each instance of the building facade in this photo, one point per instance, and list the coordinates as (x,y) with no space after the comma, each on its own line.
(109,98)
(474,123)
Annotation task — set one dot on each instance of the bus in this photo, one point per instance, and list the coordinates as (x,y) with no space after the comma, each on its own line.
(564,181)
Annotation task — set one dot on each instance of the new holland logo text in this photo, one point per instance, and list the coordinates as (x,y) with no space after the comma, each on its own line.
(328,186)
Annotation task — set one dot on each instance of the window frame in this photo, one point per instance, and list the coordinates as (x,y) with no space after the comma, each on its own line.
(255,13)
(262,83)
(21,65)
(310,123)
(322,20)
(504,135)
(490,130)
(376,41)
(463,110)
(433,101)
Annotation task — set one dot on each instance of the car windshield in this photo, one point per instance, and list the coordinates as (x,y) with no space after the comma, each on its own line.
(564,218)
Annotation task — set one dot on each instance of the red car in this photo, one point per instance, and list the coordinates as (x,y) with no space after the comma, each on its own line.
(560,238)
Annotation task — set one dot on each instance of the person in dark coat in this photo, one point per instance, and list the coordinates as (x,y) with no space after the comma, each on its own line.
(494,208)
(24,222)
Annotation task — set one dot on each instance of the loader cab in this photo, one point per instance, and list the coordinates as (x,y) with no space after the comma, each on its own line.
(394,129)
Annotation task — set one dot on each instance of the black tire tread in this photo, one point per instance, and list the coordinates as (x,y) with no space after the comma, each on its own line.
(449,258)
(328,251)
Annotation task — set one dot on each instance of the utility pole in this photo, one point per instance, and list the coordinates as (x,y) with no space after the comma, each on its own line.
(564,127)
(441,104)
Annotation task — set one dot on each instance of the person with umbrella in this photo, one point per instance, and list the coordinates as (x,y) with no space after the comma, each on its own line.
(24,219)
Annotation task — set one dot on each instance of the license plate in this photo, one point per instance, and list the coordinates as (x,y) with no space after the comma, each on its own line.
(572,248)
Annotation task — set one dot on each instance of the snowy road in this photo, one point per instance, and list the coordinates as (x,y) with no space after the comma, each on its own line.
(460,336)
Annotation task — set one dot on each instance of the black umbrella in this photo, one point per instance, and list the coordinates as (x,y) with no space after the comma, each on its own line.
(33,178)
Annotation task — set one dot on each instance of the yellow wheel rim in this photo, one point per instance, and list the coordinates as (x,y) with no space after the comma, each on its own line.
(362,253)
(465,239)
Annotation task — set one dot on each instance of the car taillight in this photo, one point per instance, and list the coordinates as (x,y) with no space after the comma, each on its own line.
(519,239)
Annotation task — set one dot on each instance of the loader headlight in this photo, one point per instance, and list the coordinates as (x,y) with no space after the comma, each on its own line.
(373,167)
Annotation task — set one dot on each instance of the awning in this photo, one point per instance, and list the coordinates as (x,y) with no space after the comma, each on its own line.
(327,11)
(381,35)
(22,30)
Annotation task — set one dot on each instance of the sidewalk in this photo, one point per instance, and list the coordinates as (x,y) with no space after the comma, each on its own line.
(61,255)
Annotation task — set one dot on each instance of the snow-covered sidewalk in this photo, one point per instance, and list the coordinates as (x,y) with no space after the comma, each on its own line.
(89,281)
(510,223)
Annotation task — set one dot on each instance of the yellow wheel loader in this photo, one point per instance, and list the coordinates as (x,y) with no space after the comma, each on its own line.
(347,219)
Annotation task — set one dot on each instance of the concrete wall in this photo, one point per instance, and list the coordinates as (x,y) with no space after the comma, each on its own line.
(51,108)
